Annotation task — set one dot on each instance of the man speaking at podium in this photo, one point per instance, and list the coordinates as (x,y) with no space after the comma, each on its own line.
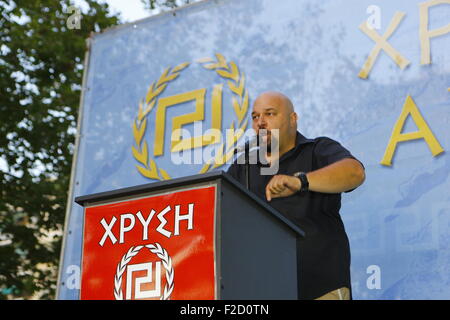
(306,189)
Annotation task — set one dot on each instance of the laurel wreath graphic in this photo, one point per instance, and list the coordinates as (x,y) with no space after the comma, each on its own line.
(236,82)
(161,253)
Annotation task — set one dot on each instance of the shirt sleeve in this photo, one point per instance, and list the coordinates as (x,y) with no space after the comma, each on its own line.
(328,151)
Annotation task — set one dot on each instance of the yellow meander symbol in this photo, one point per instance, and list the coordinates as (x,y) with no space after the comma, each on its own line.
(240,100)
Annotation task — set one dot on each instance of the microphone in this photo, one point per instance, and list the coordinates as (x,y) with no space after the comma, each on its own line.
(254,142)
(246,149)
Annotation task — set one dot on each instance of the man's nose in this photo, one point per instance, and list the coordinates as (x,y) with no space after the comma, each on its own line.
(262,124)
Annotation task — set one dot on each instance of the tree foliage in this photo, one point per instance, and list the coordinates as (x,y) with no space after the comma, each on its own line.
(41,68)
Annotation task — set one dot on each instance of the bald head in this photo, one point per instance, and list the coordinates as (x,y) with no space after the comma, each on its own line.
(276,98)
(273,110)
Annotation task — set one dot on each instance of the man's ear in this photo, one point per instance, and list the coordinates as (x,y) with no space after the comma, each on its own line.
(294,117)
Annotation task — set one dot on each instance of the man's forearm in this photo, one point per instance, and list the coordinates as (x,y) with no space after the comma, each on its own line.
(338,177)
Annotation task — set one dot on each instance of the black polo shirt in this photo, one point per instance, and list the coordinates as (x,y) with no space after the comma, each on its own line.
(323,256)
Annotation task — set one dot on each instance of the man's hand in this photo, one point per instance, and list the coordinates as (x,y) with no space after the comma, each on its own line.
(282,186)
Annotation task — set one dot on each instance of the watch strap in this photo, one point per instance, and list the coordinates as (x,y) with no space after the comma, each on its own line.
(304,181)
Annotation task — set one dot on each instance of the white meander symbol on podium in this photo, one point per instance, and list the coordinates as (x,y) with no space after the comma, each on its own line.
(138,294)
(139,281)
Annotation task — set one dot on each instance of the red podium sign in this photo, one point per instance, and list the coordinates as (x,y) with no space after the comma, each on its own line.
(154,247)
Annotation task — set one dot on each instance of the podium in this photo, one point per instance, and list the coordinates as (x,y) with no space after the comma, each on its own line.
(200,237)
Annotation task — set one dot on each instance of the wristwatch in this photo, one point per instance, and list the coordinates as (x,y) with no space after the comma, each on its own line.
(304,181)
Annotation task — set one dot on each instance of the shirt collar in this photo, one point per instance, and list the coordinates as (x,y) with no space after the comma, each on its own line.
(300,140)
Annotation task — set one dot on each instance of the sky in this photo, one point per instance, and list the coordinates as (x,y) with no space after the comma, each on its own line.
(131,10)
